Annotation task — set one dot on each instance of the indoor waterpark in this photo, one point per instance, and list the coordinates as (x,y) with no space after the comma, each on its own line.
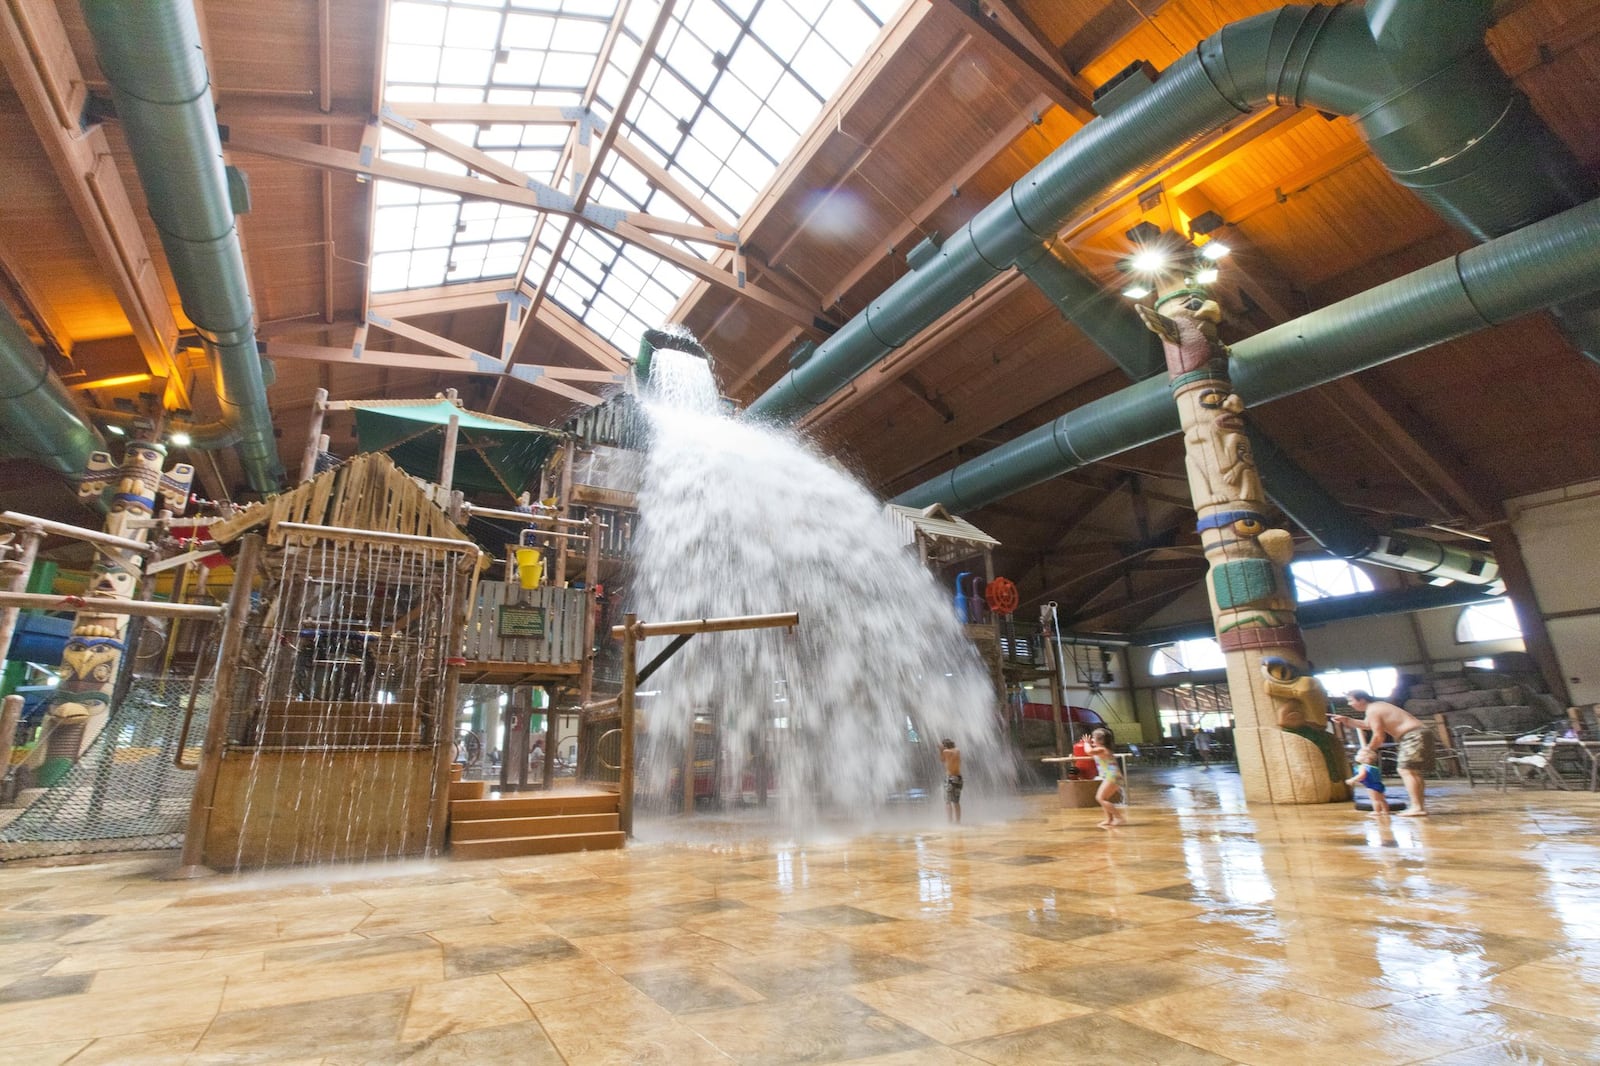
(800,532)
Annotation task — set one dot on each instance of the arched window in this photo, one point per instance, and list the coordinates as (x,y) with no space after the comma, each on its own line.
(1319,579)
(1186,656)
(1378,680)
(1495,620)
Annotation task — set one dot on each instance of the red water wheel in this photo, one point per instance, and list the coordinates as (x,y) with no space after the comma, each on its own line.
(1001,595)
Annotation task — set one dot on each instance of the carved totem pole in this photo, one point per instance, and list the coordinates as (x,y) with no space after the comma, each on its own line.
(81,703)
(1280,711)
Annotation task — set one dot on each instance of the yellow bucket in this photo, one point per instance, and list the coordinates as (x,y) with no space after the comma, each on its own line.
(530,567)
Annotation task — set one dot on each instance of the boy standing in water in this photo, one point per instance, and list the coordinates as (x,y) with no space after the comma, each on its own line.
(951,756)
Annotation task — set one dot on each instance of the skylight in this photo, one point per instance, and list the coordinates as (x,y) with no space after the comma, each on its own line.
(727,95)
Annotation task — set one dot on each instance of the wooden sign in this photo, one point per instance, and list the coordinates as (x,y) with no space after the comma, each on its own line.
(521,621)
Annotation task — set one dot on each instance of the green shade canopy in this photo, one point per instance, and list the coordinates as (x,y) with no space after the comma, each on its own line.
(492,454)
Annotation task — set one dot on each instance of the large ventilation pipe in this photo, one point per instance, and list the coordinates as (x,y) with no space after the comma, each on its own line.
(1493,283)
(37,415)
(150,53)
(1413,74)
(1108,322)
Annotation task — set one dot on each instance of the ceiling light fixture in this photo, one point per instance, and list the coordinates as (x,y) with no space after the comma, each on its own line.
(1206,275)
(116,431)
(181,439)
(1136,292)
(1214,250)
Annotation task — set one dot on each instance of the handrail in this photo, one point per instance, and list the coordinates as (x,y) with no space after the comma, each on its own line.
(108,605)
(62,529)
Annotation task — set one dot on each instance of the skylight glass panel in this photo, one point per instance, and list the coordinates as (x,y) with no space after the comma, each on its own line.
(728,93)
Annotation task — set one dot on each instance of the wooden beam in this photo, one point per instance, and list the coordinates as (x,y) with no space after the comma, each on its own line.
(43,71)
(1044,71)
(1399,438)
(314,155)
(427,339)
(662,179)
(900,238)
(581,337)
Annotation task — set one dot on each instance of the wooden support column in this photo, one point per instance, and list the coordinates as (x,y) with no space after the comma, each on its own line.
(191,862)
(314,437)
(16,573)
(447,459)
(1056,700)
(1519,586)
(630,652)
(10,715)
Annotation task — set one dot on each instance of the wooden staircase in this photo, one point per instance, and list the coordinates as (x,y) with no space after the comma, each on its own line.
(542,823)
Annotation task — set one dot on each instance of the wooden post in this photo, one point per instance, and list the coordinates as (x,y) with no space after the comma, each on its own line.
(444,745)
(1055,701)
(688,769)
(191,864)
(314,436)
(562,497)
(591,573)
(10,715)
(16,580)
(630,652)
(447,459)
(547,775)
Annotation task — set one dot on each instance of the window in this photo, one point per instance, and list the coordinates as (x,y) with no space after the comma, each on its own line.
(1378,680)
(1495,620)
(1186,656)
(1183,709)
(1320,579)
(728,93)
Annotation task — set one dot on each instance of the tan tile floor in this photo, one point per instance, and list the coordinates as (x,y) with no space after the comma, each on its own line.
(1202,933)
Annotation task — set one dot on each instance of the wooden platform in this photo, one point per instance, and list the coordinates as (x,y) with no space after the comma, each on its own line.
(546,823)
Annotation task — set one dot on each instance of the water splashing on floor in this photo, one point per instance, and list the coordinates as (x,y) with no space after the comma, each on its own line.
(843,716)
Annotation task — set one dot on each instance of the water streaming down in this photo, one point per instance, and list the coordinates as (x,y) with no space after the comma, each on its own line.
(848,710)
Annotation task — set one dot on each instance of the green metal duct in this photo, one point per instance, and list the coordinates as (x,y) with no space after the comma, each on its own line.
(1413,74)
(1337,609)
(37,415)
(150,53)
(1493,283)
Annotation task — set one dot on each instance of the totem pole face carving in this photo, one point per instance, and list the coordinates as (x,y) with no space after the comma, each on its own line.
(1300,699)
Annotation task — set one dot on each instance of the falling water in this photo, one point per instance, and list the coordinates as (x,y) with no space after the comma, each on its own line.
(739,518)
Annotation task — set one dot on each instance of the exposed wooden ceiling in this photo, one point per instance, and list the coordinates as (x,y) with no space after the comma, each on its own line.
(960,100)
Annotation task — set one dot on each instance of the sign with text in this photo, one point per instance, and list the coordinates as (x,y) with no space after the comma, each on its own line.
(521,621)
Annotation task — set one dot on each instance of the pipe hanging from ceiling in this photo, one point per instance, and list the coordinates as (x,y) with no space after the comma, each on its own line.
(1415,76)
(151,55)
(37,415)
(1493,283)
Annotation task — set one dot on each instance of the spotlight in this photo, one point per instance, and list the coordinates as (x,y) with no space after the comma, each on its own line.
(1136,292)
(1150,260)
(181,440)
(1209,222)
(116,431)
(1205,275)
(1144,233)
(1214,250)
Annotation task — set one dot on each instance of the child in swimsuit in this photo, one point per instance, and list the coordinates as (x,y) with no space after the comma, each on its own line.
(1110,774)
(1369,777)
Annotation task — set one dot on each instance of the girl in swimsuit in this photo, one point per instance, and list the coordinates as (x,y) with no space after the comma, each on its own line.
(1105,761)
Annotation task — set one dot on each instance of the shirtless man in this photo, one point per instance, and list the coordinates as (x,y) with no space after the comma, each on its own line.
(1416,742)
(951,756)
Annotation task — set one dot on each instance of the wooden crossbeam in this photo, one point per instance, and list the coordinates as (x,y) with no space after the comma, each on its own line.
(543,198)
(43,71)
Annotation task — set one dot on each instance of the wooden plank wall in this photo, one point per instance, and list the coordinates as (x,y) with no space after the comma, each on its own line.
(563,639)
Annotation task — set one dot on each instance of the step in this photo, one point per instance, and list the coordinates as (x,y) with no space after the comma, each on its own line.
(534,805)
(468,790)
(505,847)
(456,770)
(555,825)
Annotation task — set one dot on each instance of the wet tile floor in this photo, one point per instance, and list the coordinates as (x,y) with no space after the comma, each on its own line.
(1202,933)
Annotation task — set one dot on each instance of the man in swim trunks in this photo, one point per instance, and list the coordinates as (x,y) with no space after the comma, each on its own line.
(951,756)
(1416,740)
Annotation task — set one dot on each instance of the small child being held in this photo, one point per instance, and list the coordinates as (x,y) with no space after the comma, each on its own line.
(1369,777)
